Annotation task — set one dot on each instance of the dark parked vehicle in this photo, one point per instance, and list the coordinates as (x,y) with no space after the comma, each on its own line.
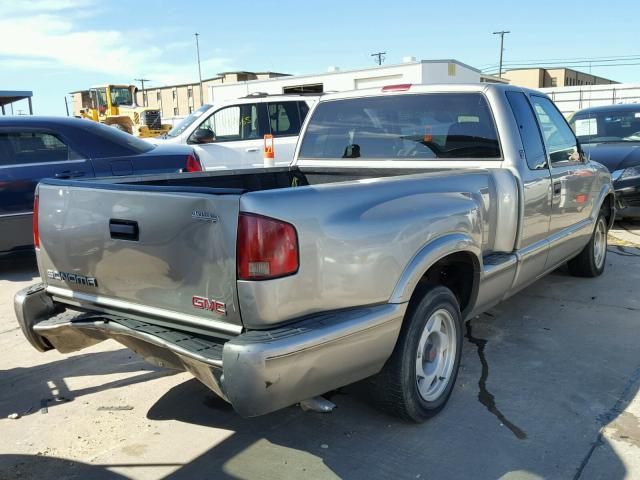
(33,148)
(610,135)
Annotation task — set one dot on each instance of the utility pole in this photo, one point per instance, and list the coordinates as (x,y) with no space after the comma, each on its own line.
(199,70)
(144,97)
(501,33)
(66,106)
(380,57)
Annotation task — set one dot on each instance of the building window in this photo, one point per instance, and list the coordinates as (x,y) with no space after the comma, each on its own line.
(189,93)
(158,96)
(190,110)
(310,88)
(174,94)
(175,111)
(451,69)
(554,82)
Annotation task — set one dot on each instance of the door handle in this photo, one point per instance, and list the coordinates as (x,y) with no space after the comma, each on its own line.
(69,174)
(124,230)
(557,188)
(251,149)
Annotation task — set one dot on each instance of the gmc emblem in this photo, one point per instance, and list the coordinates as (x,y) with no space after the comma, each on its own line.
(202,303)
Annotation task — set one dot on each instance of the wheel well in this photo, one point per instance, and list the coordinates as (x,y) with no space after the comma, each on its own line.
(608,205)
(459,272)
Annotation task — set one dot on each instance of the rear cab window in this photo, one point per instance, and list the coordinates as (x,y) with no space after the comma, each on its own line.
(403,127)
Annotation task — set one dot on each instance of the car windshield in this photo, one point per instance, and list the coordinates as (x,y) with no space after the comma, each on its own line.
(183,124)
(607,126)
(402,127)
(121,96)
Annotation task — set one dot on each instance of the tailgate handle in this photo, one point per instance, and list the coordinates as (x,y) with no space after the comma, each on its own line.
(124,229)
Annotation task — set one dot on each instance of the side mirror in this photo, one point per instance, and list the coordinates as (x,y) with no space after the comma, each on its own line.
(202,135)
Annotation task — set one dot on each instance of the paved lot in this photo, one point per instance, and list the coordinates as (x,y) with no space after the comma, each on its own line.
(548,389)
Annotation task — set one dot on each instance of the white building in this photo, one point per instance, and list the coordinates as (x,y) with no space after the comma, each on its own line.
(410,71)
(572,99)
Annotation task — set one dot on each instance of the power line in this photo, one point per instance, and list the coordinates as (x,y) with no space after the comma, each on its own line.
(583,65)
(583,60)
(569,59)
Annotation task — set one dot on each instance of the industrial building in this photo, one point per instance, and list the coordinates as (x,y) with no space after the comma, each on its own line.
(180,100)
(409,71)
(540,77)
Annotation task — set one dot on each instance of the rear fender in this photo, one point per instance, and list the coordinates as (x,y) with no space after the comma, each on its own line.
(428,256)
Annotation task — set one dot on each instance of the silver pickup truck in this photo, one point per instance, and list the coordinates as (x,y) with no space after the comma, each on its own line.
(408,210)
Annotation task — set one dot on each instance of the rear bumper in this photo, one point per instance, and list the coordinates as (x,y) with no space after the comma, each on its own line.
(257,372)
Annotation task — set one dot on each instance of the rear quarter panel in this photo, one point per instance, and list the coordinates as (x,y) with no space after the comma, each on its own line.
(357,238)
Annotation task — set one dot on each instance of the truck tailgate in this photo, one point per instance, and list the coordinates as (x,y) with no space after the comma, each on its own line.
(159,252)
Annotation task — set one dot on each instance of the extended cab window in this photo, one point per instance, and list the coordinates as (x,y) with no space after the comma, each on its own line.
(238,122)
(528,128)
(403,127)
(558,137)
(284,118)
(20,148)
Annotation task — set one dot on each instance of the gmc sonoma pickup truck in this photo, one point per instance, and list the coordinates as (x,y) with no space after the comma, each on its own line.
(407,211)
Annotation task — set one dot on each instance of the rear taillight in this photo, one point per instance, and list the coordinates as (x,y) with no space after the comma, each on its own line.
(267,248)
(193,164)
(36,233)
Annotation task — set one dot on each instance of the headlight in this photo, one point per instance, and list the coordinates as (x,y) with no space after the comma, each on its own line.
(629,173)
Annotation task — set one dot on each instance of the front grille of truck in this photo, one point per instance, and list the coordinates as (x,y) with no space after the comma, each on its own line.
(152,119)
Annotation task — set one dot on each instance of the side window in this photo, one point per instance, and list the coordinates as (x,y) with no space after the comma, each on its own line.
(238,122)
(528,128)
(19,148)
(559,139)
(284,118)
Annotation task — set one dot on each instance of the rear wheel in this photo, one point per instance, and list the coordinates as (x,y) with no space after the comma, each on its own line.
(591,260)
(418,378)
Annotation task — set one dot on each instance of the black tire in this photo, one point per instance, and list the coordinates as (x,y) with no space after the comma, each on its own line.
(587,263)
(395,388)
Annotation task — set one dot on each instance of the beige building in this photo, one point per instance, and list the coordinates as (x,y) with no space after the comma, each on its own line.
(552,77)
(180,100)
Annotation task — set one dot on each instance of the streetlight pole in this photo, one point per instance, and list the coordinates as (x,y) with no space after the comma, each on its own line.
(501,33)
(199,70)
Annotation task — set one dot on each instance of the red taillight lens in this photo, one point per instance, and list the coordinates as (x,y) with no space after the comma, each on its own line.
(193,164)
(401,87)
(36,233)
(267,248)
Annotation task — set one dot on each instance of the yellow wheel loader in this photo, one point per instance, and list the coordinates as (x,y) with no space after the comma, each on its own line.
(115,105)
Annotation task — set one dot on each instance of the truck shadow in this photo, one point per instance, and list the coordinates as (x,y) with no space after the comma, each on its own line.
(39,466)
(19,268)
(28,390)
(356,441)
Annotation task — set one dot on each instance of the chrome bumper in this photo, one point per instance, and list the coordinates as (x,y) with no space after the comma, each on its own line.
(258,371)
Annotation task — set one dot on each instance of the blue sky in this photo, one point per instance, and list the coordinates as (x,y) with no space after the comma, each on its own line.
(54,47)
